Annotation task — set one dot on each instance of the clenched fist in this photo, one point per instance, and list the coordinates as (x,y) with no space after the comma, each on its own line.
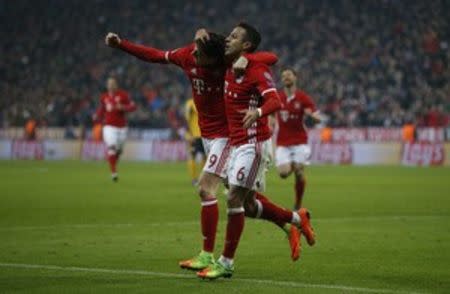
(240,65)
(112,40)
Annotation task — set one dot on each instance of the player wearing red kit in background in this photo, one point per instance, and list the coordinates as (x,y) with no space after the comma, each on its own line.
(203,63)
(292,152)
(114,104)
(249,99)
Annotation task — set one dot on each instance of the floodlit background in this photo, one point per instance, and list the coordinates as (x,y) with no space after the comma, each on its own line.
(378,186)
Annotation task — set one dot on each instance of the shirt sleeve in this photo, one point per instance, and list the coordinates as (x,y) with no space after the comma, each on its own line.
(149,54)
(145,53)
(180,56)
(264,79)
(267,58)
(308,102)
(128,105)
(266,87)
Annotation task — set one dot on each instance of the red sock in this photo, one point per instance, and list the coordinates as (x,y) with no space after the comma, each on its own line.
(299,191)
(209,220)
(272,212)
(112,159)
(235,226)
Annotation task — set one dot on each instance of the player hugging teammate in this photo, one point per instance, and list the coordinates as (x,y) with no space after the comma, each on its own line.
(234,94)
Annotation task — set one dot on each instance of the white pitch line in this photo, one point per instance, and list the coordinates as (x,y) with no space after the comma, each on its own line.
(289,284)
(96,226)
(190,223)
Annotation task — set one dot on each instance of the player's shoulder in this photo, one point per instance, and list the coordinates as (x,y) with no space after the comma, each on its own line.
(122,92)
(259,70)
(301,94)
(183,53)
(256,66)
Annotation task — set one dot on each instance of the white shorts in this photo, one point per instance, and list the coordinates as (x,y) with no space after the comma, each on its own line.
(217,151)
(114,136)
(248,165)
(295,153)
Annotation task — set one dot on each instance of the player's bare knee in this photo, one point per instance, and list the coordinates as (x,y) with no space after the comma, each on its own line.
(234,202)
(299,172)
(235,197)
(207,186)
(284,171)
(204,191)
(283,174)
(250,208)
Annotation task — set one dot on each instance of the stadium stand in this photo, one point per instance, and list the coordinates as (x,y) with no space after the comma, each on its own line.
(366,63)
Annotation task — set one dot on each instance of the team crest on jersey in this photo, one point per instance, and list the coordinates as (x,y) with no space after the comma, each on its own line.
(284,115)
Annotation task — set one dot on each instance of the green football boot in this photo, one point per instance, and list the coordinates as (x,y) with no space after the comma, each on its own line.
(215,271)
(199,262)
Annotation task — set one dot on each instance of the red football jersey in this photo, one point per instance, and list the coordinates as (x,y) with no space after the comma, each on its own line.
(207,89)
(108,111)
(243,93)
(207,83)
(291,127)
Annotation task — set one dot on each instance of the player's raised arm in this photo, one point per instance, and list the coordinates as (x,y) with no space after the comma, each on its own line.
(148,54)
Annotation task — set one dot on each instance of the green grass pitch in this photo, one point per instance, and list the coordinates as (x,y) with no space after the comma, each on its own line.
(66,228)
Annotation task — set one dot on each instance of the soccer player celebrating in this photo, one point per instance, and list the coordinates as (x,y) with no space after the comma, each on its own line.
(114,104)
(249,99)
(292,152)
(203,63)
(196,152)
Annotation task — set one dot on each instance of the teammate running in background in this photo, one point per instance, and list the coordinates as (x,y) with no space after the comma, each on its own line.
(196,152)
(114,104)
(249,99)
(292,152)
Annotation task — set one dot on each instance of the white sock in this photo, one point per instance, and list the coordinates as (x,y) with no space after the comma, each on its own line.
(295,218)
(228,262)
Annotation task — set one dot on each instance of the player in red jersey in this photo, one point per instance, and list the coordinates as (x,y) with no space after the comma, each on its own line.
(292,152)
(203,62)
(249,99)
(114,104)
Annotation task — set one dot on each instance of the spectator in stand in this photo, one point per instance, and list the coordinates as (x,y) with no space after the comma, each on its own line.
(369,63)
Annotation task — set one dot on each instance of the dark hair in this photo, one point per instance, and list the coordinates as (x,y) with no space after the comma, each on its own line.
(251,35)
(214,47)
(289,69)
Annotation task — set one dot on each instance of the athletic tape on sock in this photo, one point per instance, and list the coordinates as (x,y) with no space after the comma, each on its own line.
(209,202)
(235,210)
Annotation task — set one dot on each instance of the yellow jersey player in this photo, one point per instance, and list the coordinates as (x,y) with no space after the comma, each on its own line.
(196,152)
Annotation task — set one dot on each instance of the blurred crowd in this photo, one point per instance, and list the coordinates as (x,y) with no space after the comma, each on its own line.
(365,63)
